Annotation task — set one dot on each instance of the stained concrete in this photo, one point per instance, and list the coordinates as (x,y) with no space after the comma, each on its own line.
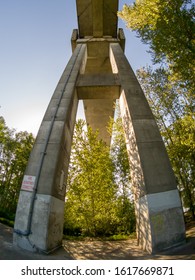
(161,214)
(47,217)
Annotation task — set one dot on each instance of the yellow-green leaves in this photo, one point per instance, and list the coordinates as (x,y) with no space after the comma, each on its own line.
(168,26)
(15,149)
(141,14)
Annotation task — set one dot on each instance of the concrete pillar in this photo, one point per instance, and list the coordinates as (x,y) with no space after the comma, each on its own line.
(40,211)
(159,214)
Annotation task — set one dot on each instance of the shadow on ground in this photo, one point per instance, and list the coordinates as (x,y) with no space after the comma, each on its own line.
(96,250)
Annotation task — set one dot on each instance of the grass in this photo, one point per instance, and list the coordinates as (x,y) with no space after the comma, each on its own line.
(116,237)
(7,222)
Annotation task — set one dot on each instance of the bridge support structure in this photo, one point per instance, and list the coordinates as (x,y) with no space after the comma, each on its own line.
(98,73)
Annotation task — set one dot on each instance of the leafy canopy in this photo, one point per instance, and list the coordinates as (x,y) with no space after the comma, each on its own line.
(168,26)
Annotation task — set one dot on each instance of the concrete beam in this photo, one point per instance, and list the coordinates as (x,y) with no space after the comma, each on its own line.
(101,18)
(98,86)
(98,113)
(84,11)
(97,10)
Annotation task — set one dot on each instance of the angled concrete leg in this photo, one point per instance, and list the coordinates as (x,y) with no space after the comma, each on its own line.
(40,211)
(159,214)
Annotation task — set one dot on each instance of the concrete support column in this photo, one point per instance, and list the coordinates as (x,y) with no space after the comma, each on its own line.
(40,211)
(159,214)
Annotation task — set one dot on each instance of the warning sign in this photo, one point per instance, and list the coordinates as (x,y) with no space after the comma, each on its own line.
(28,183)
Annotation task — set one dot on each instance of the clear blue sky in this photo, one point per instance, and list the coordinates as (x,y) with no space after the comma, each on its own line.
(34,50)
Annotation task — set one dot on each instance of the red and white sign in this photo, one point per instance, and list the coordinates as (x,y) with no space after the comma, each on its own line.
(28,183)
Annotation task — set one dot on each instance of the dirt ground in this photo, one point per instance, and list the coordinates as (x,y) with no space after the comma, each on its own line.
(97,250)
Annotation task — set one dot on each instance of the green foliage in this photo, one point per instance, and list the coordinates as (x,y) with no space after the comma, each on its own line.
(168,27)
(119,155)
(14,152)
(8,222)
(91,192)
(125,205)
(93,206)
(115,237)
(118,237)
(181,151)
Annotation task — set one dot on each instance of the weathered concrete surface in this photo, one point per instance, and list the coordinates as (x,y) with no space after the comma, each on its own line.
(152,176)
(47,223)
(40,211)
(160,221)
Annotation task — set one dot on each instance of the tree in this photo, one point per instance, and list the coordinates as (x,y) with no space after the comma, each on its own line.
(99,200)
(125,198)
(91,196)
(181,149)
(15,149)
(168,27)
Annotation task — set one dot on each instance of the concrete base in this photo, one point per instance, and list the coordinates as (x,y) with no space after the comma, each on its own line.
(160,223)
(47,223)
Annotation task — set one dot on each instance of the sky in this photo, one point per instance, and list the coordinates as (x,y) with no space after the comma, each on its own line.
(34,50)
